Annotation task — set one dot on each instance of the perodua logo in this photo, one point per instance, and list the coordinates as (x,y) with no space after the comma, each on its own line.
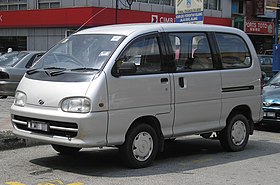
(41,102)
(268,102)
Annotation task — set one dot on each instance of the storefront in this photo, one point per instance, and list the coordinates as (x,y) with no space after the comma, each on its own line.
(41,29)
(261,34)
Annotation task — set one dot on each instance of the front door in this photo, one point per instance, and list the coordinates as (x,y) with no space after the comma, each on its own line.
(143,92)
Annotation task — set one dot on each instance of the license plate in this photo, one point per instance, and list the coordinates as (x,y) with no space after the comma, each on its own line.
(270,114)
(38,125)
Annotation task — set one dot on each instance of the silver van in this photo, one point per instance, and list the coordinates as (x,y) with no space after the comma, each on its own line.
(135,86)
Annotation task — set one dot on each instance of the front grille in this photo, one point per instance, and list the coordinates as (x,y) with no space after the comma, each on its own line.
(56,128)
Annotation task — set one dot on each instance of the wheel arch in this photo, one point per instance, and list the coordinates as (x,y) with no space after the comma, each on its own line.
(154,123)
(244,110)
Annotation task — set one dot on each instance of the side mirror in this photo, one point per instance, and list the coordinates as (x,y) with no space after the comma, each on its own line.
(126,68)
(266,79)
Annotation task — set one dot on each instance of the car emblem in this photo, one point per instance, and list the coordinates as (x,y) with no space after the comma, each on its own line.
(267,104)
(41,102)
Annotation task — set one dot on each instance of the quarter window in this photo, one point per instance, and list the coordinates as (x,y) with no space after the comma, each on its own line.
(191,51)
(234,51)
(145,54)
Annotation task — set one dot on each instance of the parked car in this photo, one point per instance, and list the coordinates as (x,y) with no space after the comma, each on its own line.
(266,64)
(268,52)
(271,101)
(12,67)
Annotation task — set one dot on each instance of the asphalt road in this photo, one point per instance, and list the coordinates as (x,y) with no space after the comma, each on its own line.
(191,160)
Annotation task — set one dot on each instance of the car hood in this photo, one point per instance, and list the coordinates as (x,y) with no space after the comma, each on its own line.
(271,91)
(51,93)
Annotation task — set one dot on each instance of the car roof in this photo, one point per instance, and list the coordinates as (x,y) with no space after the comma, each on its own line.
(127,29)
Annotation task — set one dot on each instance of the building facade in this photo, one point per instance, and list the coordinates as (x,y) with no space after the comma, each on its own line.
(39,24)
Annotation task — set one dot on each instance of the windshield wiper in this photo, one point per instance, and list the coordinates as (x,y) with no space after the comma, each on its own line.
(53,71)
(84,69)
(32,71)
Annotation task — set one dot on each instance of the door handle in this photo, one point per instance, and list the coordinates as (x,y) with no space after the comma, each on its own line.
(181,82)
(164,80)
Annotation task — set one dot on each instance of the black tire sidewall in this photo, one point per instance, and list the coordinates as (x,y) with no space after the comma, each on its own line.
(126,148)
(225,137)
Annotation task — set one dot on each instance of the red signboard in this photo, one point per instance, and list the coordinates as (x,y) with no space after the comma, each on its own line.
(90,16)
(261,28)
(70,17)
(218,21)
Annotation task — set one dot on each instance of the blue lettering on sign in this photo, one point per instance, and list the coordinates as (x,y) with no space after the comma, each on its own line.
(189,17)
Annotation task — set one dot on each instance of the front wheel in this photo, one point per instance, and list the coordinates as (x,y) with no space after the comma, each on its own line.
(65,150)
(234,137)
(140,147)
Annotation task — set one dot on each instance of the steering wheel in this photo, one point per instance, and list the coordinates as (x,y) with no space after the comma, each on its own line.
(71,59)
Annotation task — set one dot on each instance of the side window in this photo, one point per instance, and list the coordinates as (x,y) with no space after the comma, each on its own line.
(191,51)
(145,54)
(234,51)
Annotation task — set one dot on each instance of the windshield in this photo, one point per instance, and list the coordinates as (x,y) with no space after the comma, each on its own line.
(80,52)
(275,80)
(10,59)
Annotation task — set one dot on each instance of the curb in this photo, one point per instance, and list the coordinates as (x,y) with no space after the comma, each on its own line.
(9,141)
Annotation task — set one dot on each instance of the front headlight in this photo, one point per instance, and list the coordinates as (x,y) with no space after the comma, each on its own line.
(78,105)
(20,99)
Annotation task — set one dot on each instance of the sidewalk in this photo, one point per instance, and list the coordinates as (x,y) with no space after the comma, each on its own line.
(5,119)
(7,139)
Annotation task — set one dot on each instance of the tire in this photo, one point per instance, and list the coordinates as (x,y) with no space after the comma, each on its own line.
(140,147)
(65,150)
(234,137)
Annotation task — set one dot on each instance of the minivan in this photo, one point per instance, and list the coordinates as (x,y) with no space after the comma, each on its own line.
(134,86)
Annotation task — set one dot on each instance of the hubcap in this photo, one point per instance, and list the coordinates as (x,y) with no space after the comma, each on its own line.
(238,132)
(142,146)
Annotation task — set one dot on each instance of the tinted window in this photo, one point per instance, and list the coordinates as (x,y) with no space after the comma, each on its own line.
(265,60)
(191,51)
(234,51)
(145,54)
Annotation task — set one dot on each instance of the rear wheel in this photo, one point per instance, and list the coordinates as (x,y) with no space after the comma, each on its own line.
(234,137)
(140,147)
(65,150)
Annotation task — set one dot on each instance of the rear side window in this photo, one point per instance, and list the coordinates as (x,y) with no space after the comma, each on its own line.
(234,51)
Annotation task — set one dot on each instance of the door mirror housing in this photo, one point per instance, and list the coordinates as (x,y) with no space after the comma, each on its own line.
(125,68)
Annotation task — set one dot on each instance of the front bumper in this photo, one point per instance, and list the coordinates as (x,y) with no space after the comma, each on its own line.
(271,115)
(68,129)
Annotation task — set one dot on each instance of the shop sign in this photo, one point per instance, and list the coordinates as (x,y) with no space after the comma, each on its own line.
(262,28)
(162,19)
(189,11)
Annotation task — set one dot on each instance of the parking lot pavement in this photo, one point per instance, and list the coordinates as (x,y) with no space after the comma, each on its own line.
(7,139)
(5,119)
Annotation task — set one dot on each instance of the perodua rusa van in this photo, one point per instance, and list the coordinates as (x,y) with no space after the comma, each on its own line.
(135,86)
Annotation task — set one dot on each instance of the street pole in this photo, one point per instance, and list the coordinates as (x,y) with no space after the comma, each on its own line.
(276,26)
(117,7)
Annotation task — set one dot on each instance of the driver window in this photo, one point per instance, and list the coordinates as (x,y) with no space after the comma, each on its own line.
(145,54)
